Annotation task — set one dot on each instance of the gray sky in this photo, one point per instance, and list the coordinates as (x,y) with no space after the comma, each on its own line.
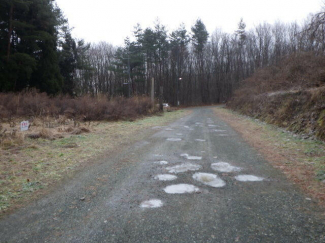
(113,20)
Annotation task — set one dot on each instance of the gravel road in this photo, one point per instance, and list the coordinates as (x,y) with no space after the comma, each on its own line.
(195,180)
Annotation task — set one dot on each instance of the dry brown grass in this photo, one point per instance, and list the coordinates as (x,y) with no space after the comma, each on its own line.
(291,95)
(28,170)
(32,104)
(303,162)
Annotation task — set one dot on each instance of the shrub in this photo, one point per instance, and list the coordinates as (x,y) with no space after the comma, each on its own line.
(87,108)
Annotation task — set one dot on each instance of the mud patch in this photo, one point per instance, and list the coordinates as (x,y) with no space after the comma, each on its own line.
(225,167)
(181,189)
(248,178)
(165,177)
(174,139)
(189,157)
(183,168)
(209,179)
(152,203)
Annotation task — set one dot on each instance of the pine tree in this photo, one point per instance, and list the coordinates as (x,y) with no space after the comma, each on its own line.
(28,51)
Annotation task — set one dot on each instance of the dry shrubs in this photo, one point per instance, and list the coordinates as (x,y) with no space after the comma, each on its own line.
(10,138)
(291,95)
(32,104)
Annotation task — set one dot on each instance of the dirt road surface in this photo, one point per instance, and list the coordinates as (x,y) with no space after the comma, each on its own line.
(195,180)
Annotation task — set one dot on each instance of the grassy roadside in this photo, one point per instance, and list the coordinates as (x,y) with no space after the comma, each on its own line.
(28,170)
(301,160)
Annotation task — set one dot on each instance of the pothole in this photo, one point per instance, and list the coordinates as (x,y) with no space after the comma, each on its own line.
(183,168)
(152,203)
(209,179)
(181,188)
(225,167)
(248,178)
(189,157)
(165,177)
(162,162)
(174,139)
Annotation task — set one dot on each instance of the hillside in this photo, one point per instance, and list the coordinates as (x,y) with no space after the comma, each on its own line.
(290,95)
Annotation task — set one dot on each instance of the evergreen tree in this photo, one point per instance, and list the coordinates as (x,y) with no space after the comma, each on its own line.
(67,61)
(200,36)
(28,39)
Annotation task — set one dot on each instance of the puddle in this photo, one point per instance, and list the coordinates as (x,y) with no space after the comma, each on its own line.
(174,139)
(169,129)
(248,178)
(152,203)
(179,134)
(158,127)
(218,130)
(223,135)
(183,168)
(198,123)
(212,126)
(209,179)
(200,140)
(225,167)
(165,177)
(181,188)
(191,157)
(158,155)
(162,162)
(186,126)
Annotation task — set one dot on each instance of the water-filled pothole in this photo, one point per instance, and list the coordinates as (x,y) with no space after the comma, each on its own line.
(209,179)
(152,203)
(181,188)
(165,177)
(248,178)
(162,162)
(225,167)
(174,139)
(183,168)
(191,157)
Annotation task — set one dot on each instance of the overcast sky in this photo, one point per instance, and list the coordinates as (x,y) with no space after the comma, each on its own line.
(113,20)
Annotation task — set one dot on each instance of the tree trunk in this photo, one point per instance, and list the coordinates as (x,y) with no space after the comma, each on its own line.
(10,30)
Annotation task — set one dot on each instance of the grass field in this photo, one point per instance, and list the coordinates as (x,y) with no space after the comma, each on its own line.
(29,168)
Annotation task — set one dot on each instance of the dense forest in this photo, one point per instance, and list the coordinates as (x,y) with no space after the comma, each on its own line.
(192,67)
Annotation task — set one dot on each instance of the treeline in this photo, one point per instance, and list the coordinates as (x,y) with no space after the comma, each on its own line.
(189,67)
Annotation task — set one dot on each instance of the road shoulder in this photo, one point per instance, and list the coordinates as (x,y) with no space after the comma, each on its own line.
(301,160)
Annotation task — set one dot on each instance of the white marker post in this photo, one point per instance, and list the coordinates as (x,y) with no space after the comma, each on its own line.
(24,125)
